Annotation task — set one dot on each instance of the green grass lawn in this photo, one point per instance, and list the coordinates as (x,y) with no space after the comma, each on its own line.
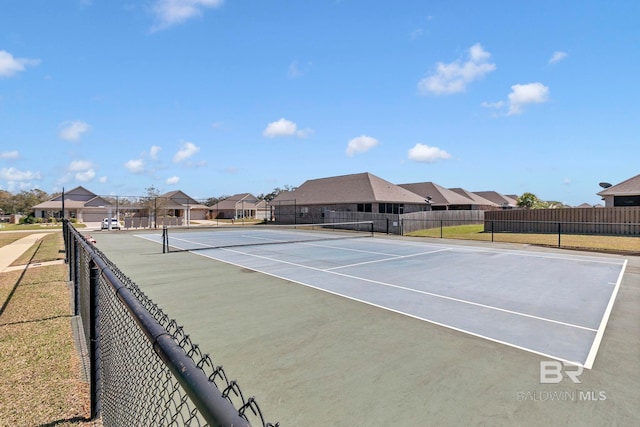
(40,381)
(476,232)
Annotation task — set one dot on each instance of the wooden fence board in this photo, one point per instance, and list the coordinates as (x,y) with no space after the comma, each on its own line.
(609,221)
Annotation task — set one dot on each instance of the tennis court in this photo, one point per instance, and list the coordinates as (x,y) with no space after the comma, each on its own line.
(551,304)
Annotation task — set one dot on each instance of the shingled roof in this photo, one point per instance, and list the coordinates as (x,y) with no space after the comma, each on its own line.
(477,199)
(629,187)
(355,188)
(439,195)
(76,198)
(497,198)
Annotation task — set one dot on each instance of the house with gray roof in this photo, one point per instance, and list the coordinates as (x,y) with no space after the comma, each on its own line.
(361,192)
(178,204)
(441,198)
(243,205)
(79,203)
(625,193)
(505,202)
(479,202)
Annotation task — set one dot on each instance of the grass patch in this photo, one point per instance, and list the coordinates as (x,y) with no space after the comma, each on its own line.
(476,232)
(50,248)
(8,238)
(40,379)
(35,227)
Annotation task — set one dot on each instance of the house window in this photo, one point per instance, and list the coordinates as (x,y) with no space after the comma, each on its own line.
(391,208)
(364,207)
(626,200)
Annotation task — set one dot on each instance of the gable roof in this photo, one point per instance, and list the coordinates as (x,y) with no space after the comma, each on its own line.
(440,196)
(477,199)
(354,188)
(497,198)
(237,200)
(629,187)
(179,200)
(76,198)
(180,197)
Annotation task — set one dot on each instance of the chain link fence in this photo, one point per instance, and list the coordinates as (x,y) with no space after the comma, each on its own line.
(145,370)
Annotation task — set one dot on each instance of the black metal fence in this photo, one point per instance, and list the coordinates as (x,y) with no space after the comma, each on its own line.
(145,370)
(563,227)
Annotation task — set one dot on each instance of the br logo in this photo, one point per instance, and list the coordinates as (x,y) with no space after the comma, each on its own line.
(553,372)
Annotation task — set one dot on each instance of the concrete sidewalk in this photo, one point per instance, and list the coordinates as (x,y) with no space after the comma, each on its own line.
(11,252)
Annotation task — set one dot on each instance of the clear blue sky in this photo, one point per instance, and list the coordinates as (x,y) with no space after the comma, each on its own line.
(220,97)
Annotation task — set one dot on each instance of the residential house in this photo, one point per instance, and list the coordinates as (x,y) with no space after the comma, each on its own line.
(362,192)
(79,203)
(441,198)
(505,202)
(625,193)
(178,204)
(244,205)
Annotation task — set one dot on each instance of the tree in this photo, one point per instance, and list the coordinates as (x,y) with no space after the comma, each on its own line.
(25,200)
(270,196)
(6,202)
(528,201)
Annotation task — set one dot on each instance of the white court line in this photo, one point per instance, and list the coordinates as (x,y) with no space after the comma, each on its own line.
(424,319)
(603,324)
(514,252)
(392,258)
(377,282)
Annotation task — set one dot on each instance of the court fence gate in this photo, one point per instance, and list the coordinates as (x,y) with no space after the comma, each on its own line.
(144,368)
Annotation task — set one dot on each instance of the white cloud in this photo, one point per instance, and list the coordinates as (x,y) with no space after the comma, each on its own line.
(495,105)
(71,131)
(10,66)
(297,70)
(86,175)
(188,149)
(102,180)
(10,155)
(557,57)
(415,34)
(153,152)
(135,166)
(284,127)
(455,76)
(426,154)
(13,174)
(173,180)
(80,165)
(361,144)
(173,12)
(84,170)
(521,95)
(294,70)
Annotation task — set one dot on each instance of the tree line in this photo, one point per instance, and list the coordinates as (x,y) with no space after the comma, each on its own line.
(23,202)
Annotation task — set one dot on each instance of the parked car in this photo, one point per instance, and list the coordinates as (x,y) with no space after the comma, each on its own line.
(115,224)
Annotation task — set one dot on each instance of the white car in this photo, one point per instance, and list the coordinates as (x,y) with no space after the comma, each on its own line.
(115,225)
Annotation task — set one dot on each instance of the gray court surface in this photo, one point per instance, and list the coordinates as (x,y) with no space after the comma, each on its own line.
(555,305)
(406,332)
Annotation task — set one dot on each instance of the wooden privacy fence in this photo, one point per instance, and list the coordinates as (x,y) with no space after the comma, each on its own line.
(623,221)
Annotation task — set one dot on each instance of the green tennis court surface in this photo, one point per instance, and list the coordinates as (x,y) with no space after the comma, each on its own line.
(317,358)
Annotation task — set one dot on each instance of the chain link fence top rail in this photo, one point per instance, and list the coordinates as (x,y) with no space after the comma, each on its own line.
(147,371)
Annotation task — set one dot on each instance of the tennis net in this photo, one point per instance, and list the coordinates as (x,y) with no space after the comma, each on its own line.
(199,238)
